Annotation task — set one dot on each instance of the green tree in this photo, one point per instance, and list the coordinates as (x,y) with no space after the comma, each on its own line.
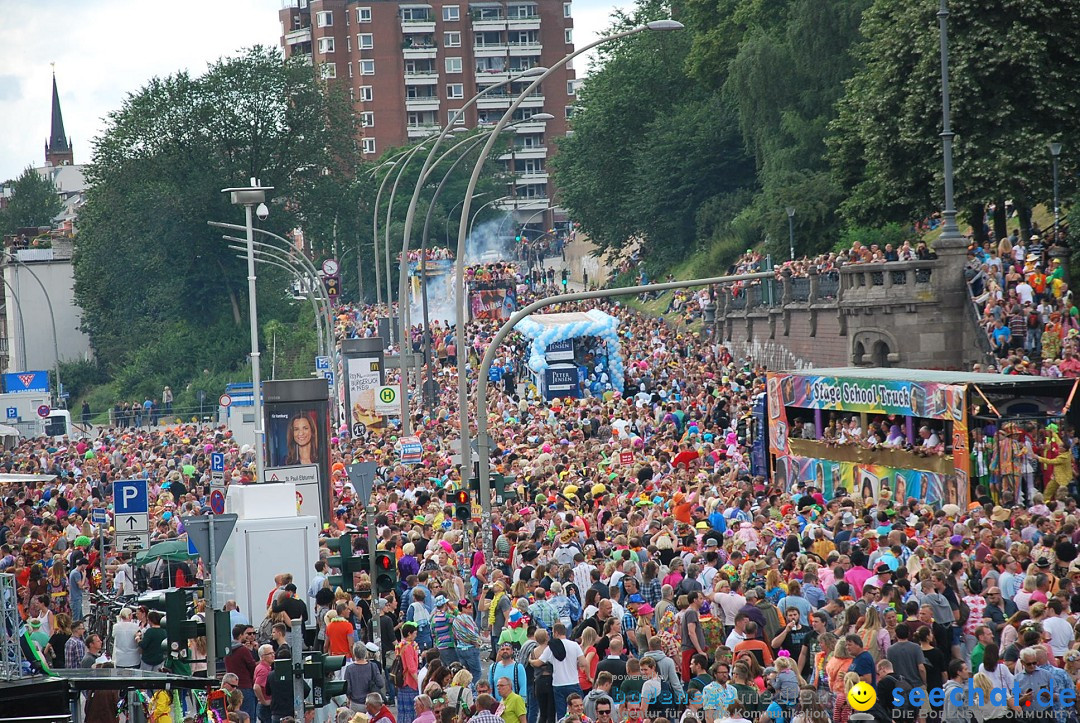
(650,145)
(782,64)
(34,202)
(1013,67)
(161,293)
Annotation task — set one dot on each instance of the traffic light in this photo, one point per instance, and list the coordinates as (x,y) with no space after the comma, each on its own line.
(518,238)
(343,561)
(385,572)
(178,628)
(320,668)
(462,505)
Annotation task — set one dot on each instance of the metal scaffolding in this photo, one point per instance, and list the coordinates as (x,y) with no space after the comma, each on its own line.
(11,658)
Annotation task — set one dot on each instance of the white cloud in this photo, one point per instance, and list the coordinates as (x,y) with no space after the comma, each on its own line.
(107,49)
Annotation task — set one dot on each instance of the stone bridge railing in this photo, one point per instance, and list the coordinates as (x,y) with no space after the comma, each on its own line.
(895,284)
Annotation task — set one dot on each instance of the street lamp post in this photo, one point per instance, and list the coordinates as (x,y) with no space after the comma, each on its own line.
(250,197)
(463,400)
(1055,151)
(950,232)
(403,269)
(791,232)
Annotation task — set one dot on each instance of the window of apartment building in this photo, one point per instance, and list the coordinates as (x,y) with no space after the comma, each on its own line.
(363,15)
(453,65)
(530,141)
(451,13)
(568,111)
(367,67)
(455,116)
(571,87)
(368,145)
(566,10)
(348,67)
(568,35)
(328,70)
(348,43)
(417,14)
(365,41)
(367,119)
(455,90)
(523,11)
(452,40)
(324,19)
(326,45)
(365,94)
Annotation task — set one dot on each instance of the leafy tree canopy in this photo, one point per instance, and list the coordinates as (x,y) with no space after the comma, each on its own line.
(160,291)
(35,201)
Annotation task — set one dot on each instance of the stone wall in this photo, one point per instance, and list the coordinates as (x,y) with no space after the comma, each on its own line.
(914,314)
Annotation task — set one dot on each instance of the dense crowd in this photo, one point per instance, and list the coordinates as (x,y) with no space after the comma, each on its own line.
(1026,307)
(639,570)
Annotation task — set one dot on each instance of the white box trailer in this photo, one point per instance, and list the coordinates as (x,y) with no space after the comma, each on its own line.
(269,539)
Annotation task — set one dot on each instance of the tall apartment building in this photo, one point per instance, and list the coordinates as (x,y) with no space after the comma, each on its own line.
(410,65)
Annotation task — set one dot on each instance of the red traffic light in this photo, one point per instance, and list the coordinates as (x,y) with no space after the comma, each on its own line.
(383,561)
(461,497)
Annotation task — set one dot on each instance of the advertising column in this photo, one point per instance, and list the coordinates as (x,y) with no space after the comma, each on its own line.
(363,360)
(298,441)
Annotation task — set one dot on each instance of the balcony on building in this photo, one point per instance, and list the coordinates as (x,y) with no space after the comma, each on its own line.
(419,46)
(421,73)
(298,36)
(522,152)
(421,124)
(416,18)
(523,16)
(487,16)
(421,98)
(530,177)
(495,100)
(526,48)
(489,44)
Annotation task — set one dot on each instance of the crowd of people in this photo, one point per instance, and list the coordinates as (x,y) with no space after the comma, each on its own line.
(1026,307)
(638,570)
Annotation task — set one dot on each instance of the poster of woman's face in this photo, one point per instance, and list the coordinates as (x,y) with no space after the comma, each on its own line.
(296,434)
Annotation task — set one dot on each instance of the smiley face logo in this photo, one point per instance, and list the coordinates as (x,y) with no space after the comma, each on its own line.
(862,697)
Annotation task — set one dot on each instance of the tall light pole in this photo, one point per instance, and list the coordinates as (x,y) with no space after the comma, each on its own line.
(791,232)
(250,197)
(403,264)
(1055,151)
(463,398)
(950,232)
(375,229)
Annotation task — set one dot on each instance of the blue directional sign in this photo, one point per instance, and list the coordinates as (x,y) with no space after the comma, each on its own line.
(12,412)
(322,363)
(99,516)
(217,462)
(130,497)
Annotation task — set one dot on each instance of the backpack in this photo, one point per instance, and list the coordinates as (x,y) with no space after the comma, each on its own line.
(965,612)
(397,673)
(666,704)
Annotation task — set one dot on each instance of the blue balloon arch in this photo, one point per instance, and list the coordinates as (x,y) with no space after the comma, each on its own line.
(545,329)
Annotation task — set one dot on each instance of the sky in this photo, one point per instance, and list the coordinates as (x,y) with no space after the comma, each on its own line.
(104,50)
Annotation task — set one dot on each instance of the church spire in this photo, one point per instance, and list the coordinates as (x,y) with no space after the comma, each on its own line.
(58,150)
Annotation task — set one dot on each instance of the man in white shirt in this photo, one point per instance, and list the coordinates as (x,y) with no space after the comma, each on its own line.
(124,579)
(730,601)
(566,658)
(1061,633)
(738,633)
(1025,292)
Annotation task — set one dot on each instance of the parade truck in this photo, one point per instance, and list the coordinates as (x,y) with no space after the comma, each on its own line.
(27,405)
(937,434)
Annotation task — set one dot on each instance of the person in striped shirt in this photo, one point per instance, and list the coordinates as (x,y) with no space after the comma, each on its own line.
(467,637)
